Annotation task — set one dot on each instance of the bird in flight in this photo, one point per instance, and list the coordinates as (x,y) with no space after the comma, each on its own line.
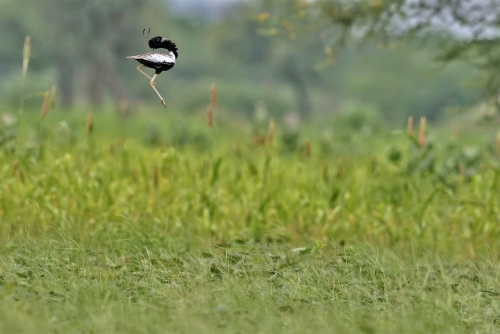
(160,62)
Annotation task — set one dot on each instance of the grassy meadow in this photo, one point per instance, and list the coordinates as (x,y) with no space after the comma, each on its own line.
(156,223)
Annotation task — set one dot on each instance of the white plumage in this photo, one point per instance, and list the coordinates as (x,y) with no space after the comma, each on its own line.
(156,57)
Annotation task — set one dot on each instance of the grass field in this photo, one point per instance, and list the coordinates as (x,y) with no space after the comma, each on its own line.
(158,224)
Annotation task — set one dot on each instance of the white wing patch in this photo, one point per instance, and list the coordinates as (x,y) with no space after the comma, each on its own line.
(156,57)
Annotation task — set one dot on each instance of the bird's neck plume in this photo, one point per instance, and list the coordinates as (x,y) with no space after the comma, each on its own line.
(170,46)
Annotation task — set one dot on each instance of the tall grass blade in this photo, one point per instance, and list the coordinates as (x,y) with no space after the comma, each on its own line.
(26,60)
(45,105)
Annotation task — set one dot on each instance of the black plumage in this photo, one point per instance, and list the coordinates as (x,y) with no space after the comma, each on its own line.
(158,61)
(163,43)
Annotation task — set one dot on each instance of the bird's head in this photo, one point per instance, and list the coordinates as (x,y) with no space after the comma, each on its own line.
(155,42)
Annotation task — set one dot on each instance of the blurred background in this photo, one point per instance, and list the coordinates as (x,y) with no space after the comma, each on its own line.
(80,47)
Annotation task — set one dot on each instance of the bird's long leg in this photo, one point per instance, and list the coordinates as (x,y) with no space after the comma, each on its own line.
(153,84)
(139,69)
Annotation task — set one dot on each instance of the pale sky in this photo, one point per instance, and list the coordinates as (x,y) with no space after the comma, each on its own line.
(206,8)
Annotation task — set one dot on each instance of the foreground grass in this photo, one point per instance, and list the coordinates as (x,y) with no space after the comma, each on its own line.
(98,235)
(247,288)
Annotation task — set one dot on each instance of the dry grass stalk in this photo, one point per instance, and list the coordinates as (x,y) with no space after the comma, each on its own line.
(213,95)
(26,60)
(53,92)
(421,132)
(156,177)
(45,105)
(409,127)
(308,148)
(90,123)
(210,116)
(26,54)
(497,143)
(272,129)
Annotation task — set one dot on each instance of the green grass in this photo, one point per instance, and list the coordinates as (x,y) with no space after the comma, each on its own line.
(156,224)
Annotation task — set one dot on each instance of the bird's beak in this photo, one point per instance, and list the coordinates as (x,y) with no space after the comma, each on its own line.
(164,40)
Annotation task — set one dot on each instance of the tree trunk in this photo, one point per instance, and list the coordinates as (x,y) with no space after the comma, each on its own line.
(296,79)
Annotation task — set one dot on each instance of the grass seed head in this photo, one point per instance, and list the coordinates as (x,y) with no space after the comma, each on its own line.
(45,105)
(409,127)
(53,93)
(26,54)
(308,148)
(497,143)
(272,129)
(421,132)
(90,123)
(213,95)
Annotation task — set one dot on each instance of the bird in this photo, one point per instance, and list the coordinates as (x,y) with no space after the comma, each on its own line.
(158,61)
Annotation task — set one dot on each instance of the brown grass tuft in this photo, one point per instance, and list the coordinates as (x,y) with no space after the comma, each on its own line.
(409,127)
(272,129)
(90,123)
(497,143)
(308,148)
(421,132)
(213,95)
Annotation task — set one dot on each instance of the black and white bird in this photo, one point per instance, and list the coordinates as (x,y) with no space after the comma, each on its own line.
(160,62)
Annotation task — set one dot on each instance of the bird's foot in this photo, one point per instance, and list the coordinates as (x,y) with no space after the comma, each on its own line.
(163,102)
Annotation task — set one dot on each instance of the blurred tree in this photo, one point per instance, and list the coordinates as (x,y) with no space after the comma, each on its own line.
(292,61)
(82,39)
(96,43)
(82,45)
(467,30)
